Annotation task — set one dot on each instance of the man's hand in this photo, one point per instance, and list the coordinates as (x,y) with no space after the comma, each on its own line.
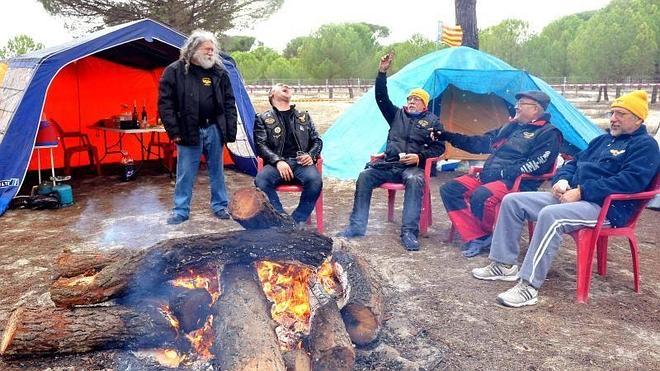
(435,134)
(410,159)
(572,195)
(386,61)
(285,171)
(176,139)
(559,188)
(305,160)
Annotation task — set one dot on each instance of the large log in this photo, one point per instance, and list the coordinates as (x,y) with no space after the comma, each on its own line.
(245,333)
(297,360)
(250,208)
(34,331)
(70,264)
(362,308)
(140,273)
(330,346)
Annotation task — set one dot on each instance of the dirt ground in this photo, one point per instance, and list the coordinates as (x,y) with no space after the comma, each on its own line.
(437,315)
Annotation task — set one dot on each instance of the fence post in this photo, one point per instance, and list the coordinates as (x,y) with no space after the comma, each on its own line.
(563,87)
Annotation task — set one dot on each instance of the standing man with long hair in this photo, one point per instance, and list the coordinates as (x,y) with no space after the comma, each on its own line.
(197,106)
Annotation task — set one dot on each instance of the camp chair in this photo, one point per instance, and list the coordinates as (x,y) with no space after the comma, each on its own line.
(84,145)
(426,216)
(168,147)
(474,170)
(290,187)
(593,239)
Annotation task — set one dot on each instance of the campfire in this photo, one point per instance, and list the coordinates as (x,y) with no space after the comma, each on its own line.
(262,298)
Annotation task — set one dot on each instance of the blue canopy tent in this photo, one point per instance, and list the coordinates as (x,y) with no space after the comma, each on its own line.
(137,50)
(471,92)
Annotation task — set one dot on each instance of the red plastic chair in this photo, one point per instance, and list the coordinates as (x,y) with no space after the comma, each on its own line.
(515,188)
(168,147)
(318,207)
(593,239)
(426,216)
(84,145)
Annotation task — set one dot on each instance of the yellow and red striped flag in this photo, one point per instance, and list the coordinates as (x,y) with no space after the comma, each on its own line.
(452,35)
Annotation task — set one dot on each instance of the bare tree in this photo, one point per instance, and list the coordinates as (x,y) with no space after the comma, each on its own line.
(184,15)
(466,17)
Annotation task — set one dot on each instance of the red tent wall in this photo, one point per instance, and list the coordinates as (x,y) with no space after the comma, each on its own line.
(92,89)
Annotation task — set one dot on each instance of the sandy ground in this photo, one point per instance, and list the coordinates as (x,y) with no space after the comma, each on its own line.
(437,315)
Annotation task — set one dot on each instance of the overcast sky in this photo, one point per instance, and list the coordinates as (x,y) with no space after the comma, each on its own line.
(301,17)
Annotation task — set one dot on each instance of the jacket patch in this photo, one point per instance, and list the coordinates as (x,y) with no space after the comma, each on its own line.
(616,152)
(423,123)
(206,81)
(302,118)
(269,121)
(277,130)
(528,135)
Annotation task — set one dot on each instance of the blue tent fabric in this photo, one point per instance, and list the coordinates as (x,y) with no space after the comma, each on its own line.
(361,130)
(38,70)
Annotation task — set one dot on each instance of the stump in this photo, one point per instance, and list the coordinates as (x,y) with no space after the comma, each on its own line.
(250,208)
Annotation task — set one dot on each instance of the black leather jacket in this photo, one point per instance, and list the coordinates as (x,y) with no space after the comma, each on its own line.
(178,104)
(270,133)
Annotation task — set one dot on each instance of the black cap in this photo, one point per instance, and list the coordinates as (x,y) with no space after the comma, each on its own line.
(538,96)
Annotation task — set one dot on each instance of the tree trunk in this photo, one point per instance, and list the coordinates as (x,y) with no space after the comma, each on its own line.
(141,274)
(44,331)
(363,308)
(245,333)
(466,17)
(329,344)
(250,208)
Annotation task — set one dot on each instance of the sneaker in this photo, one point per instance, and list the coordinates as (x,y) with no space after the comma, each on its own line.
(519,295)
(175,219)
(409,241)
(476,247)
(496,272)
(349,233)
(221,214)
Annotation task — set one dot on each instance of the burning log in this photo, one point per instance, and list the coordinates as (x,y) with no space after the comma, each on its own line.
(330,345)
(250,208)
(69,264)
(245,333)
(42,331)
(140,272)
(363,308)
(297,360)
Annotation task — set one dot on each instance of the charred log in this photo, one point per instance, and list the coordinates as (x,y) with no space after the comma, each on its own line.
(250,208)
(330,346)
(245,333)
(297,360)
(191,307)
(44,331)
(69,264)
(363,308)
(141,273)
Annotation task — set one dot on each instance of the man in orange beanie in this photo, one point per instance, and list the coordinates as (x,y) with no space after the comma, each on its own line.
(408,146)
(624,160)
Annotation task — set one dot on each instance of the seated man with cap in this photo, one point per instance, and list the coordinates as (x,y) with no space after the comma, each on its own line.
(528,144)
(624,160)
(408,146)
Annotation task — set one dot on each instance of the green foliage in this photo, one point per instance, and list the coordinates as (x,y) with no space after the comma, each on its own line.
(293,47)
(236,43)
(506,40)
(19,45)
(407,51)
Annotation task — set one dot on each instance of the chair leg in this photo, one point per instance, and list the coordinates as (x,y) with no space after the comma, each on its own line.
(452,231)
(67,163)
(530,230)
(319,213)
(634,251)
(601,255)
(584,260)
(424,214)
(94,160)
(391,194)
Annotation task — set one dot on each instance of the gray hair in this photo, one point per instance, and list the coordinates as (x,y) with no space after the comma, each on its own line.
(197,38)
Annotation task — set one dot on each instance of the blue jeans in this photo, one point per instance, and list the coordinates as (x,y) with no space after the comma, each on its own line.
(269,178)
(370,178)
(210,145)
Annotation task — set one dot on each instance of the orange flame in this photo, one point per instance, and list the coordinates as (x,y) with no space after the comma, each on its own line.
(286,286)
(165,310)
(203,280)
(327,278)
(165,357)
(202,339)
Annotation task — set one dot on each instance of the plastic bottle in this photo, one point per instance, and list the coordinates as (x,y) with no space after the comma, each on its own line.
(128,167)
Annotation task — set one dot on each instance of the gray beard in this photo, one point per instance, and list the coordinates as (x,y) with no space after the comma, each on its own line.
(204,61)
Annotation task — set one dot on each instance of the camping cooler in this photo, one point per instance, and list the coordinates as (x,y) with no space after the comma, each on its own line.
(63,192)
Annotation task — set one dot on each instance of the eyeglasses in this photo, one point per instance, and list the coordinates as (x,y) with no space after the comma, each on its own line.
(519,104)
(414,98)
(618,114)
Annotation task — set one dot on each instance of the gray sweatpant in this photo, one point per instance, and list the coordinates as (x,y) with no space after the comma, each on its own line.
(552,220)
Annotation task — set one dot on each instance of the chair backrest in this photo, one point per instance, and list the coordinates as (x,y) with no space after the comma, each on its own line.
(654,187)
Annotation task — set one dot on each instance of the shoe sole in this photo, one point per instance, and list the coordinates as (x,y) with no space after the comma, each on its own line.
(496,278)
(517,305)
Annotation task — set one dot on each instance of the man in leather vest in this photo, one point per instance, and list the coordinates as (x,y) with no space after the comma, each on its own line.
(197,106)
(528,144)
(408,146)
(287,141)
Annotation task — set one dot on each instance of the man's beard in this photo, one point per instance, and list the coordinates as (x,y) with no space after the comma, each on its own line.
(203,60)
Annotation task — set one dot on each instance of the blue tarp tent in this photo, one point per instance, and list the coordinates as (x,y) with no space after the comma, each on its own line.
(90,76)
(471,92)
